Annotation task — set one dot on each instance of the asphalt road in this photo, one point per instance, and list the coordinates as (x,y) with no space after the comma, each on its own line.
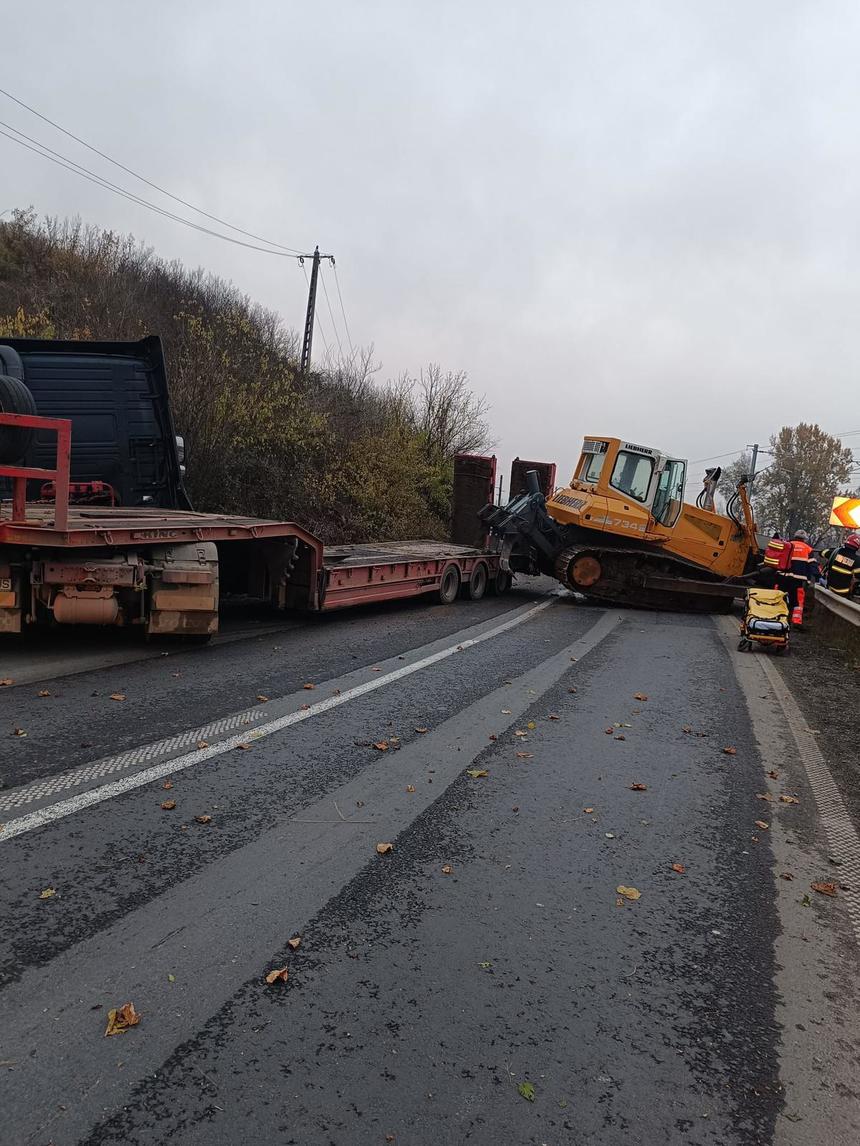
(484,981)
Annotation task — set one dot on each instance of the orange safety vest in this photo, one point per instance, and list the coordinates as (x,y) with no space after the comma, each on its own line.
(778,554)
(801,563)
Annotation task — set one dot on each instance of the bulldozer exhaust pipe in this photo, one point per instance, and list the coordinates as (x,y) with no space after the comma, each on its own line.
(533,481)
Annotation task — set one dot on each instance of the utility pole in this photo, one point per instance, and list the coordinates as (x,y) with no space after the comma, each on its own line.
(307,341)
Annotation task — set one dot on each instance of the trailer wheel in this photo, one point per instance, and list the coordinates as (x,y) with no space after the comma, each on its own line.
(449,586)
(500,584)
(15,398)
(477,585)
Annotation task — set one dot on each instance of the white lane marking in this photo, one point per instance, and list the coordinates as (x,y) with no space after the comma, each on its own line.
(43,816)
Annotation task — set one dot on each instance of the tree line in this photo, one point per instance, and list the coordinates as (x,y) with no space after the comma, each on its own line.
(348,457)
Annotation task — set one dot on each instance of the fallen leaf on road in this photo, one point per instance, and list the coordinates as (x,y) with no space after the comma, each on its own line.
(621,736)
(18,732)
(519,732)
(477,773)
(786,875)
(6,682)
(202,743)
(446,869)
(308,686)
(295,943)
(609,835)
(506,712)
(639,696)
(171,978)
(774,775)
(531,726)
(47,893)
(117,696)
(571,690)
(203,819)
(628,892)
(262,699)
(121,1018)
(525,755)
(764,796)
(304,706)
(526,1090)
(552,716)
(281,973)
(384,849)
(168,805)
(410,788)
(376,669)
(679,868)
(638,787)
(686,728)
(381,745)
(43,692)
(824,888)
(167,785)
(421,729)
(493,736)
(789,800)
(588,811)
(485,965)
(610,731)
(730,751)
(761,824)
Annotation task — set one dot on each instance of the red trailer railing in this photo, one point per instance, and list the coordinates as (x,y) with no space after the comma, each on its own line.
(20,475)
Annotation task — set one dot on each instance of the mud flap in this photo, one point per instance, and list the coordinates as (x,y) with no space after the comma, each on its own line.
(183,590)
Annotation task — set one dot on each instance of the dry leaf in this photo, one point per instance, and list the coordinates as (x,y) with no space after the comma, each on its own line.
(764,796)
(167,785)
(384,849)
(202,743)
(824,888)
(421,729)
(506,712)
(381,745)
(789,800)
(43,692)
(588,811)
(628,892)
(47,893)
(6,682)
(410,788)
(571,690)
(243,747)
(531,726)
(262,699)
(786,875)
(679,868)
(477,773)
(761,824)
(610,731)
(774,775)
(639,696)
(638,787)
(446,869)
(117,696)
(308,686)
(686,728)
(525,755)
(621,736)
(18,732)
(281,973)
(619,902)
(203,819)
(730,751)
(295,943)
(121,1018)
(552,716)
(168,805)
(304,706)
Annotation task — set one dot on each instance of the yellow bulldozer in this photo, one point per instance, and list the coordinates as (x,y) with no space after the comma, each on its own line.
(621,532)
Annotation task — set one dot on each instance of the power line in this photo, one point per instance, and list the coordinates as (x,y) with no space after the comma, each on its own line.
(142,178)
(46,152)
(331,313)
(342,311)
(714,457)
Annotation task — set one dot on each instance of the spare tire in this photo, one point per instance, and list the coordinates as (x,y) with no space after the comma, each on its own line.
(15,398)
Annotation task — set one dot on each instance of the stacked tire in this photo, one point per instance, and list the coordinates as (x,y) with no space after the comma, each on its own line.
(15,398)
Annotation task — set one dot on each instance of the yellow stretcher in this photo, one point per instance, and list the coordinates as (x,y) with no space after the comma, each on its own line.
(766,620)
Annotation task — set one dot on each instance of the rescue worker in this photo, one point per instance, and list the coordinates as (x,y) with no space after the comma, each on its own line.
(844,566)
(803,569)
(776,560)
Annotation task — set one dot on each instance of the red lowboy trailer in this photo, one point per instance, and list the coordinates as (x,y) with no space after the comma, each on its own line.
(166,569)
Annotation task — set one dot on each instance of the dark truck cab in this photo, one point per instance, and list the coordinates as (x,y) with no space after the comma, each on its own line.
(116,395)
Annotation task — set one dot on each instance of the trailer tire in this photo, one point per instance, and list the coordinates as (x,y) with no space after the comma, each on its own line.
(15,398)
(501,583)
(449,586)
(477,585)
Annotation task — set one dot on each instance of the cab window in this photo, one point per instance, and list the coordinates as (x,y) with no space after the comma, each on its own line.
(592,465)
(670,493)
(631,474)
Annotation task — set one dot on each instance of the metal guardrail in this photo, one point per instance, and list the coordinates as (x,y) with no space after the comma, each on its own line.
(841,607)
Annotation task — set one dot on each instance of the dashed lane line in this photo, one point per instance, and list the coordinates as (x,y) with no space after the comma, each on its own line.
(43,816)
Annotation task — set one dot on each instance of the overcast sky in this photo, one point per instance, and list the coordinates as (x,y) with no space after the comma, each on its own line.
(634,217)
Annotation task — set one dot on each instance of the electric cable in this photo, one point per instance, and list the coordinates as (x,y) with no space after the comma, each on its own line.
(330,312)
(342,310)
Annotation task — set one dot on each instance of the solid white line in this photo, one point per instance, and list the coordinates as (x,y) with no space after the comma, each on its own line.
(39,819)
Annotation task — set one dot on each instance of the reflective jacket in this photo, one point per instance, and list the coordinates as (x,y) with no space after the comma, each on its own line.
(803,565)
(844,565)
(778,554)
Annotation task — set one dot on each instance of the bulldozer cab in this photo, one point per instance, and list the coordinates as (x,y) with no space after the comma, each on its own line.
(617,469)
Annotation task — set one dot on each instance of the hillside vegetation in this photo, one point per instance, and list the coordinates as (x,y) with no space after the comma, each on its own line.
(348,458)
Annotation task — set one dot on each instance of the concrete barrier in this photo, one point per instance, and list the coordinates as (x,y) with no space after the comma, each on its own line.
(837,619)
